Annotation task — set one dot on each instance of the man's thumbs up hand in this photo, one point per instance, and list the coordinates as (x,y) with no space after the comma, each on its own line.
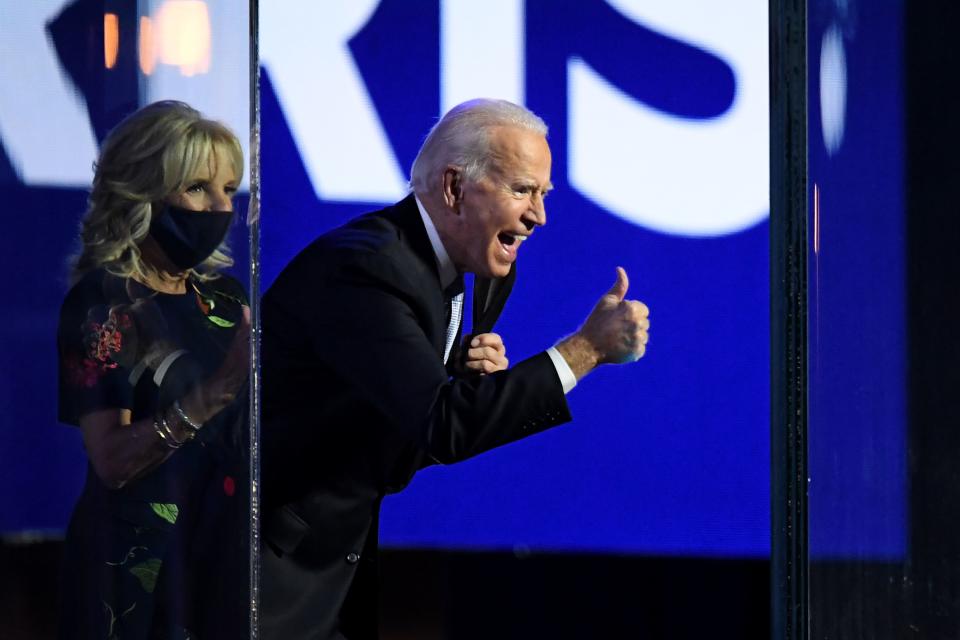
(614,332)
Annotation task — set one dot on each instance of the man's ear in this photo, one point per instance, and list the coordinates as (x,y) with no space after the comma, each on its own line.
(452,188)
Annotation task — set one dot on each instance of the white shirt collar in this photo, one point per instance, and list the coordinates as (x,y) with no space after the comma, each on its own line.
(448,272)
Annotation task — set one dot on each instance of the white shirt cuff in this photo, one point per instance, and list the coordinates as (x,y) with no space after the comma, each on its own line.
(564,372)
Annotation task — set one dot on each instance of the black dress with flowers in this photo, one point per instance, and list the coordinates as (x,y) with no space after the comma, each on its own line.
(166,555)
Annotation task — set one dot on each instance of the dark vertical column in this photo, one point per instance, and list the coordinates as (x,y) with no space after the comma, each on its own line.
(788,316)
(933,282)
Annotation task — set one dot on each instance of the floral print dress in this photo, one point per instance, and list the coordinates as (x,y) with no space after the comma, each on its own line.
(166,555)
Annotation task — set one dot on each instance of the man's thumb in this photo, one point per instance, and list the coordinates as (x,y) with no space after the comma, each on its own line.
(619,288)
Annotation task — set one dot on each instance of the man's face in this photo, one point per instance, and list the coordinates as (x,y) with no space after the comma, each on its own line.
(500,211)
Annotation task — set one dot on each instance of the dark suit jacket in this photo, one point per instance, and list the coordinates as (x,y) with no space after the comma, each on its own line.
(356,399)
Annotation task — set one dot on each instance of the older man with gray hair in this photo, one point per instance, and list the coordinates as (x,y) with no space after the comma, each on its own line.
(366,379)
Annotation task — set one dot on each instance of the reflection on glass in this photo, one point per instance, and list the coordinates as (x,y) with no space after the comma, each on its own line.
(184,30)
(147,49)
(111,39)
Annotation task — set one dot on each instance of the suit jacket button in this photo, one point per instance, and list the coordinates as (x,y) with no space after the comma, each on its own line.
(353,557)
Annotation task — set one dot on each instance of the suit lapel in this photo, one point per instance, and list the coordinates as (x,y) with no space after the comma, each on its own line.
(406,216)
(489,298)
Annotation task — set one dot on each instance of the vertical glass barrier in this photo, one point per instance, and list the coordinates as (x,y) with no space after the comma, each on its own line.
(883,267)
(858,436)
(124,452)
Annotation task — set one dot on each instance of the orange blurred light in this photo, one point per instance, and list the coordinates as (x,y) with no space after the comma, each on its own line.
(183,35)
(147,48)
(111,39)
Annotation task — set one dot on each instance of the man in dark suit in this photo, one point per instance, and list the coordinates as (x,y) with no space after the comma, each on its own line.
(364,377)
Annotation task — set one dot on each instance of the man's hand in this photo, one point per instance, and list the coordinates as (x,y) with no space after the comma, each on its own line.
(614,332)
(485,354)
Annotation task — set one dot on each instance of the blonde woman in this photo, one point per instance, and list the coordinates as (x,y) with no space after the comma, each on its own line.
(153,345)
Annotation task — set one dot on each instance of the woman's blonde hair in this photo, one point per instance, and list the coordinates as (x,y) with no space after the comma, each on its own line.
(152,154)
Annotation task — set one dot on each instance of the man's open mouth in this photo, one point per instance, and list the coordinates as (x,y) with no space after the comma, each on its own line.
(510,239)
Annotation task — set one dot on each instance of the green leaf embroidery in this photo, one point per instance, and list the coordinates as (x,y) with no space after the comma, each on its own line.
(146,572)
(168,512)
(221,322)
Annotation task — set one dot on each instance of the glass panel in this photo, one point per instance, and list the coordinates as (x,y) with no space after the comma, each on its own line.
(127,244)
(883,443)
(859,513)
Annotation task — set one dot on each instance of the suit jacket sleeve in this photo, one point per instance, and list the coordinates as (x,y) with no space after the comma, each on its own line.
(369,326)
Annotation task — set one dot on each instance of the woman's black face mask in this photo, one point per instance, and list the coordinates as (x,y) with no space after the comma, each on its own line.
(189,237)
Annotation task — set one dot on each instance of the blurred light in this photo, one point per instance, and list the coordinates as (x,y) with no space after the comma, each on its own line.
(111,39)
(147,48)
(816,218)
(833,89)
(183,35)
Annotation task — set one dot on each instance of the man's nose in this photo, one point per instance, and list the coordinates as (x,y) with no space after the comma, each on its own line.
(537,214)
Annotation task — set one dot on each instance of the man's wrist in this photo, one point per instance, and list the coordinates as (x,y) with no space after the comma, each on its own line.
(580,354)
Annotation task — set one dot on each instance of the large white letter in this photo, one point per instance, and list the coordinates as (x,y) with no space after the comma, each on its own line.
(667,173)
(330,114)
(44,123)
(481,51)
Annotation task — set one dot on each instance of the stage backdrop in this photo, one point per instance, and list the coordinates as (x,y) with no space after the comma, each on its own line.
(658,116)
(659,125)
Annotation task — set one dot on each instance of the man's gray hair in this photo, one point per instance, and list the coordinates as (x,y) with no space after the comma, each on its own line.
(462,138)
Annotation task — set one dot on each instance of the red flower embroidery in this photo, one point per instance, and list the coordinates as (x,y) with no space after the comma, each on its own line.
(102,340)
(105,340)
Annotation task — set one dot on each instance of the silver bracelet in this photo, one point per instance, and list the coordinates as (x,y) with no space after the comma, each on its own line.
(184,417)
(166,425)
(158,426)
(172,439)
